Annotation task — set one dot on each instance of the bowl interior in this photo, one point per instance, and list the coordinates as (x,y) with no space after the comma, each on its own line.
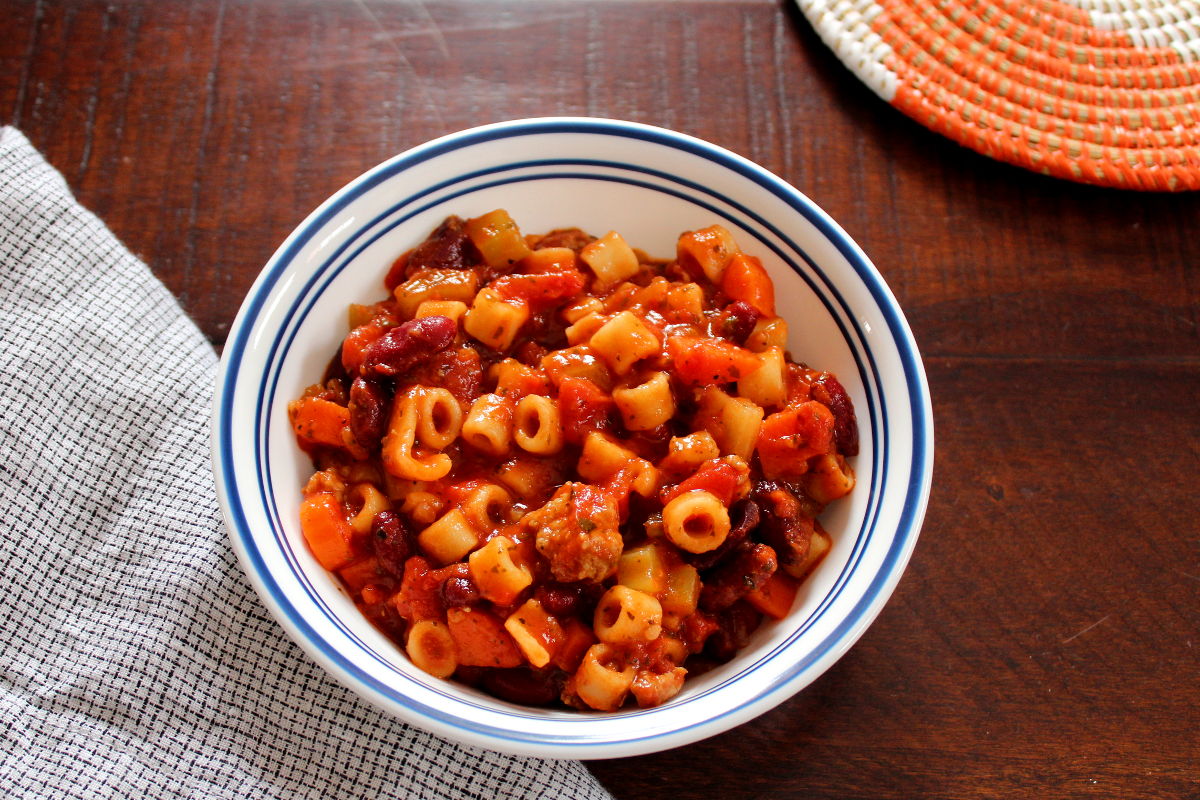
(649,185)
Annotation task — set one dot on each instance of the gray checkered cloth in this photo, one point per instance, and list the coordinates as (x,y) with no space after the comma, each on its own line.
(135,659)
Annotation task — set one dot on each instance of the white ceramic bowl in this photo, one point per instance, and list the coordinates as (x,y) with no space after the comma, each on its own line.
(650,185)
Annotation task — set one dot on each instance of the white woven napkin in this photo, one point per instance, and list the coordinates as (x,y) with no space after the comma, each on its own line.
(135,659)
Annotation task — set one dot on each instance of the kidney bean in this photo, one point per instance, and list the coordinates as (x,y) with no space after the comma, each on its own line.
(393,542)
(368,411)
(739,320)
(786,527)
(458,591)
(746,571)
(829,391)
(524,686)
(558,599)
(406,345)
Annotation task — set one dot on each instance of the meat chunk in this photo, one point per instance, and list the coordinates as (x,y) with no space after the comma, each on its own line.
(446,248)
(785,526)
(577,533)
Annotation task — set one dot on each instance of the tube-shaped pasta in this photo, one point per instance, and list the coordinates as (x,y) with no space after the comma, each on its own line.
(373,501)
(494,320)
(439,417)
(624,340)
(424,507)
(767,385)
(611,259)
(626,615)
(581,330)
(603,680)
(696,521)
(734,422)
(537,425)
(399,457)
(451,309)
(709,249)
(643,568)
(488,506)
(601,458)
(647,405)
(488,426)
(529,477)
(828,478)
(536,632)
(685,454)
(768,332)
(431,648)
(686,300)
(435,284)
(581,308)
(682,594)
(499,578)
(449,538)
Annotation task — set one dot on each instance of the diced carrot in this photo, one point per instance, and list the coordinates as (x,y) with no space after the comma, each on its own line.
(704,253)
(702,361)
(320,422)
(327,530)
(480,639)
(360,573)
(775,597)
(787,439)
(745,279)
(577,638)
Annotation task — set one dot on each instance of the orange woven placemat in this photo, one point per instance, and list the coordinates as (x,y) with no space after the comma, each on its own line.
(1097,91)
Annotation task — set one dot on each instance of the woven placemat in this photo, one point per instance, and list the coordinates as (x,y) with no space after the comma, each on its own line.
(1096,91)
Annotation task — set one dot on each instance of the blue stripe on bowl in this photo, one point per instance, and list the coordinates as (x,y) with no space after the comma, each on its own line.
(918,393)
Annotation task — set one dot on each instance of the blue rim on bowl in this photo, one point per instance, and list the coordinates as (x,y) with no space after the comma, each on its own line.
(894,409)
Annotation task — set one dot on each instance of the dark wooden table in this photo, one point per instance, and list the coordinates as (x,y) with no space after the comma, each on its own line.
(1045,641)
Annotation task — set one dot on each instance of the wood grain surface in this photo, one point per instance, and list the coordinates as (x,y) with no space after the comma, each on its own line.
(1045,640)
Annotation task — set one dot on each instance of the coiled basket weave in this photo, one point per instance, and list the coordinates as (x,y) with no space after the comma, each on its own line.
(1097,91)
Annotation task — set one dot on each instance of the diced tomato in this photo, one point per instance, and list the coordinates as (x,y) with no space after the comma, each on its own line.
(745,279)
(317,421)
(789,438)
(718,477)
(584,408)
(541,291)
(327,530)
(701,361)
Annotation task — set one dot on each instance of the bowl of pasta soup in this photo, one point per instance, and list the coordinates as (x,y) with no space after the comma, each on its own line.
(673,430)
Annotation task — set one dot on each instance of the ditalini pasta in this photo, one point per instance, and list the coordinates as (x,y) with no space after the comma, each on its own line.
(562,471)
